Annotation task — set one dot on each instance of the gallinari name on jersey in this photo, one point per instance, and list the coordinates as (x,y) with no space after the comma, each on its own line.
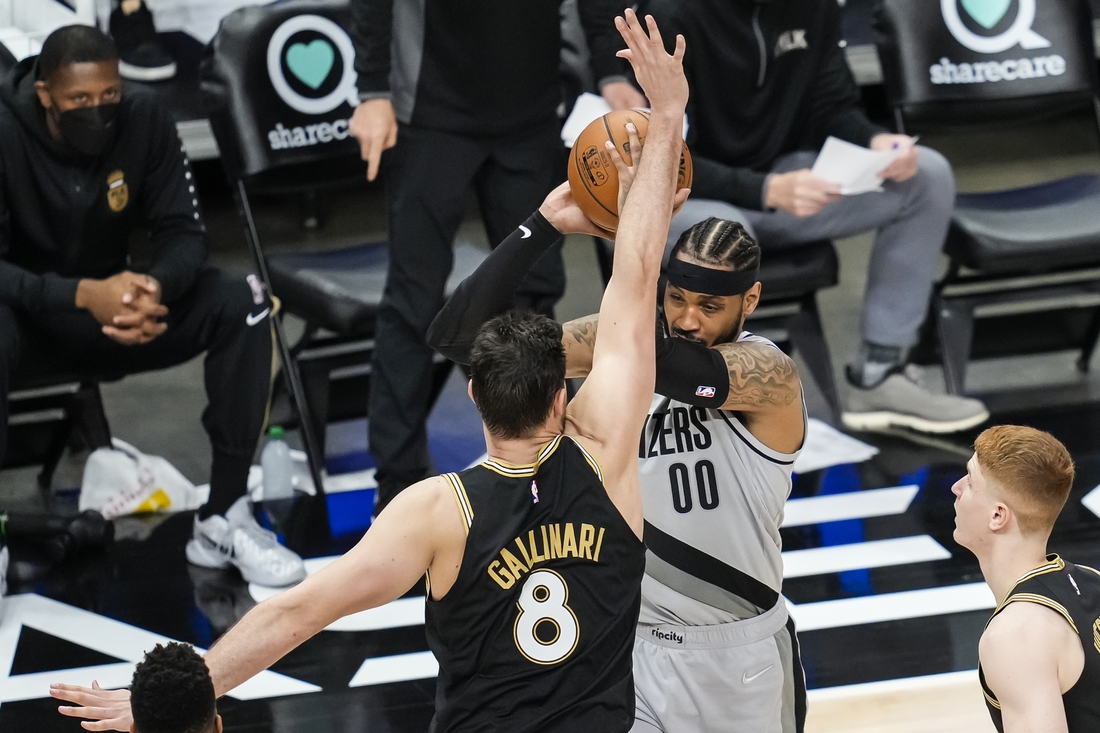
(550,542)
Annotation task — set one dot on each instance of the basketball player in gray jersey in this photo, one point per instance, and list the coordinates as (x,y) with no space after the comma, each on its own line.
(715,649)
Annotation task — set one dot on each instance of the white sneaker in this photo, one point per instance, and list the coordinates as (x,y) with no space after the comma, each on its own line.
(236,539)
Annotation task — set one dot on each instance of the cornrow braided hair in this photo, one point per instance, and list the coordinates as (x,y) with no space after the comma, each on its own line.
(720,242)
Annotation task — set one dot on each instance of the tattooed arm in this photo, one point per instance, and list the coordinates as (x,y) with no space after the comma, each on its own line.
(578,337)
(764,387)
(761,377)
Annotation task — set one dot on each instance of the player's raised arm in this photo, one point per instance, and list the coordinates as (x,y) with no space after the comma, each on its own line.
(611,406)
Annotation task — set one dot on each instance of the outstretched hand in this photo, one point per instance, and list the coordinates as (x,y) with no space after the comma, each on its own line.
(660,75)
(102,709)
(563,213)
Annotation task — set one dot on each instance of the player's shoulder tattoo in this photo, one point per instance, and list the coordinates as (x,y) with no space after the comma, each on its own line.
(760,375)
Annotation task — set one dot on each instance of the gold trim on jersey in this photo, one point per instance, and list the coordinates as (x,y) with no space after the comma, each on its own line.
(512,471)
(461,499)
(589,457)
(1052,565)
(1042,601)
(428,583)
(990,699)
(1096,634)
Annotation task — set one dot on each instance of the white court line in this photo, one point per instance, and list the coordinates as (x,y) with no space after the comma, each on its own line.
(851,505)
(397,668)
(862,555)
(905,684)
(106,636)
(892,606)
(1091,501)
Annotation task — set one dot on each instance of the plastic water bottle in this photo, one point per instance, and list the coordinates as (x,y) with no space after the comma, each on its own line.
(278,467)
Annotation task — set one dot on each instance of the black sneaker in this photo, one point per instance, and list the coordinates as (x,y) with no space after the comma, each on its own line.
(141,57)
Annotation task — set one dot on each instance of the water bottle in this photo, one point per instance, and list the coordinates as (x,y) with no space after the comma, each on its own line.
(278,467)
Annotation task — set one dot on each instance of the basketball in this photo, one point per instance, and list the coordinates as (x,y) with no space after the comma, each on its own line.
(593,178)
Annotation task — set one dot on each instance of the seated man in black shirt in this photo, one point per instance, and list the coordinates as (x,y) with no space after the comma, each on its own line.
(82,165)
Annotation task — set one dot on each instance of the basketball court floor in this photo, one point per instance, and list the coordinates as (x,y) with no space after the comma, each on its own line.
(889,609)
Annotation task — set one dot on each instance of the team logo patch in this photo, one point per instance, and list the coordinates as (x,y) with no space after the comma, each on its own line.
(703,391)
(1096,634)
(118,193)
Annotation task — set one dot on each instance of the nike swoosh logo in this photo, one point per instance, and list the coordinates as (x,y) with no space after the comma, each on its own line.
(252,320)
(525,230)
(746,679)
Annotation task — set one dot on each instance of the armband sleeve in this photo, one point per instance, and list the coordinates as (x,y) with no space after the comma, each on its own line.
(491,289)
(691,373)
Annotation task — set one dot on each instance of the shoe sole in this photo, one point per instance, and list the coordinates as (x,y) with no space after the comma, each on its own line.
(140,73)
(880,420)
(267,582)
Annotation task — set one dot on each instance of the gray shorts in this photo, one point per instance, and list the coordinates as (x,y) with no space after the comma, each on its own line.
(741,677)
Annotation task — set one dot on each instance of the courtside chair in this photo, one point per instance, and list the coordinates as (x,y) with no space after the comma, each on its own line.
(1024,273)
(278,82)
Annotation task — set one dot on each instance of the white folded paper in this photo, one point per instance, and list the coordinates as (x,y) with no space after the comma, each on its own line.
(855,168)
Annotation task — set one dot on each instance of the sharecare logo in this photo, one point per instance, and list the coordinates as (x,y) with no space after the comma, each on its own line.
(988,14)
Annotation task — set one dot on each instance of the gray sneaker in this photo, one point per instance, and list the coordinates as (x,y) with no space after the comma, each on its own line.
(903,399)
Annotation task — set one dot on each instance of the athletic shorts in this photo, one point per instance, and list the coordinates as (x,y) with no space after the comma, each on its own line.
(741,677)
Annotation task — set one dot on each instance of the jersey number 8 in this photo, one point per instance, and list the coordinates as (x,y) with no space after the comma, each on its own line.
(546,629)
(705,483)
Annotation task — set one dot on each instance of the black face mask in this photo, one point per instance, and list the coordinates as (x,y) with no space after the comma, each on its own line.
(89,130)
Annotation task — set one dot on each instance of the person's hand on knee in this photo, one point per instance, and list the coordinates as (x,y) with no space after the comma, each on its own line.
(622,95)
(374,125)
(127,305)
(905,167)
(800,193)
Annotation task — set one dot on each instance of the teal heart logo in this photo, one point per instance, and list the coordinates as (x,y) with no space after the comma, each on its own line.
(311,63)
(987,13)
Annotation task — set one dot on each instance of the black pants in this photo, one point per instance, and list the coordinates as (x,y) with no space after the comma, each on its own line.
(219,315)
(428,174)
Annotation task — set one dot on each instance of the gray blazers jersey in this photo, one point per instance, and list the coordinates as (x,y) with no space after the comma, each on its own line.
(713,497)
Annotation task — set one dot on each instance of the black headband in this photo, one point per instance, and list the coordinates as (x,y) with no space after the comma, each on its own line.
(709,280)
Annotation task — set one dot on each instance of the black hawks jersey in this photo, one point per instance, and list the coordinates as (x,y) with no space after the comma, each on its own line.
(1074,592)
(537,632)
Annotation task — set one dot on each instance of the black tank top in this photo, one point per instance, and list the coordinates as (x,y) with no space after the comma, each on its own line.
(1074,592)
(537,632)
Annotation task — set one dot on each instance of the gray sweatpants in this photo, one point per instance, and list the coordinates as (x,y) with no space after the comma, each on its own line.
(740,677)
(910,219)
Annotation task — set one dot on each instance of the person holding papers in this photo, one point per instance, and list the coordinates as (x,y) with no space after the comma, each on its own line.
(770,84)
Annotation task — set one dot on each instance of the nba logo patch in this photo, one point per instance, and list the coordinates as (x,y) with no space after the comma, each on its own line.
(704,391)
(534,492)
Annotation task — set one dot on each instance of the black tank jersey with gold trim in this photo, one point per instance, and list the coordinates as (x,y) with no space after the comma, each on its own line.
(537,632)
(1074,592)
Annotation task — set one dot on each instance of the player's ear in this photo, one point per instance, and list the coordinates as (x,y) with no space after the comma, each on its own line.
(751,298)
(217,723)
(999,517)
(470,390)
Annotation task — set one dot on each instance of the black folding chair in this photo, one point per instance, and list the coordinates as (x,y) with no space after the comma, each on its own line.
(1025,262)
(278,82)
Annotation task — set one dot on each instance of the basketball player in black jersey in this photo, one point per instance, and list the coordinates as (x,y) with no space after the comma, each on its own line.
(1040,652)
(534,559)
